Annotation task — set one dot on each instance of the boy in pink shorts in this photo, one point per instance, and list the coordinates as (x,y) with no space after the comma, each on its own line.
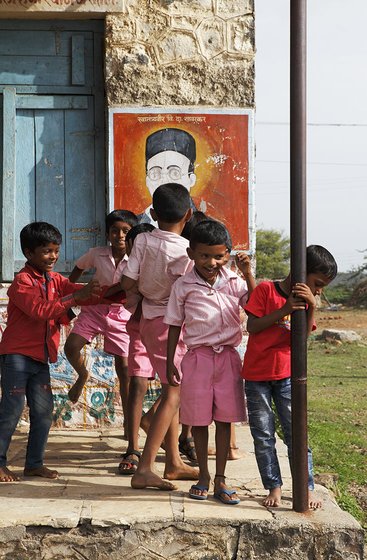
(207,301)
(110,320)
(139,368)
(157,259)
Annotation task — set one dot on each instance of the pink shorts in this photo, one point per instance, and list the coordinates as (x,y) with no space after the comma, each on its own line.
(108,320)
(154,334)
(211,387)
(138,361)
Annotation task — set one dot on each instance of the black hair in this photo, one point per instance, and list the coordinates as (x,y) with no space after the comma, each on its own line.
(319,259)
(172,139)
(171,202)
(121,216)
(210,232)
(134,231)
(196,217)
(39,234)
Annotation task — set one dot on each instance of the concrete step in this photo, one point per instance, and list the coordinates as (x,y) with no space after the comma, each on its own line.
(91,513)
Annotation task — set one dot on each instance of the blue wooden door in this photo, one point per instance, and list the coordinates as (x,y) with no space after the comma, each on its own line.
(52,140)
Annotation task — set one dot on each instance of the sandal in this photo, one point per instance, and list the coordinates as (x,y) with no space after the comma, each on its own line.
(130,464)
(187,448)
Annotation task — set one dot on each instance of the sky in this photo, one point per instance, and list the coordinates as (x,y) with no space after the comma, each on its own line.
(337,124)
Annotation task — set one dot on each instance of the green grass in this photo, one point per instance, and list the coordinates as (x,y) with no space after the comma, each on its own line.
(337,405)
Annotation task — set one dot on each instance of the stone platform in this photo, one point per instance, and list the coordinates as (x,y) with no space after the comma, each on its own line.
(91,513)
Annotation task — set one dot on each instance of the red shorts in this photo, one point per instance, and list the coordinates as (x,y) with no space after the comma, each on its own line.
(138,361)
(211,387)
(154,334)
(108,320)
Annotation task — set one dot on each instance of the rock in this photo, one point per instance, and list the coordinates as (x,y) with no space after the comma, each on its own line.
(343,336)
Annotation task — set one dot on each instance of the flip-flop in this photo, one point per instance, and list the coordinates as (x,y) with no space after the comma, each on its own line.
(201,489)
(187,448)
(132,464)
(219,496)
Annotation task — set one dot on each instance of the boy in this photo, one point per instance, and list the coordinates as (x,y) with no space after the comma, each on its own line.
(139,368)
(267,363)
(38,300)
(207,301)
(110,320)
(156,261)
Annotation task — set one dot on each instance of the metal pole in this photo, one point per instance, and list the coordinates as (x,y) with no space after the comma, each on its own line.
(298,250)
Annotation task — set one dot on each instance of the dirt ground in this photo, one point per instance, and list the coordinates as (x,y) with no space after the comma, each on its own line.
(343,319)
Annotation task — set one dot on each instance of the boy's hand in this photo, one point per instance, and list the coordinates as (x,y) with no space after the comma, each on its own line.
(302,291)
(173,377)
(244,263)
(293,303)
(92,289)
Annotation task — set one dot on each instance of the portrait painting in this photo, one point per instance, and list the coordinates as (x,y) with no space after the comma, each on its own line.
(210,153)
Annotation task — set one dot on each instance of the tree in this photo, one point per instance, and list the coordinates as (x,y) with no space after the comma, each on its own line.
(272,254)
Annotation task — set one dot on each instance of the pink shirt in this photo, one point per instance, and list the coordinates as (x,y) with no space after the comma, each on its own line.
(210,313)
(106,271)
(157,259)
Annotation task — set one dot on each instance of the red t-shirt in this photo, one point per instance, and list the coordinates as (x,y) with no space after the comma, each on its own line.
(268,353)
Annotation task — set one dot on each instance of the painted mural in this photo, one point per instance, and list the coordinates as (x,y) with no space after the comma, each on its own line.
(99,404)
(210,153)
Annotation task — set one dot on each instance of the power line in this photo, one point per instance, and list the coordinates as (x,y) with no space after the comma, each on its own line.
(280,123)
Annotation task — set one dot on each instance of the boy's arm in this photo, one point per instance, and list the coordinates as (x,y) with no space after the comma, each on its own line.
(128,283)
(258,324)
(173,376)
(75,274)
(303,292)
(26,296)
(243,263)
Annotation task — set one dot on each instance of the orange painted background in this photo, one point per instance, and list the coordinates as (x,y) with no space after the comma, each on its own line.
(221,167)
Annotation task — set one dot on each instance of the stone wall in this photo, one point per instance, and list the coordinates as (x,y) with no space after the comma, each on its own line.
(174,52)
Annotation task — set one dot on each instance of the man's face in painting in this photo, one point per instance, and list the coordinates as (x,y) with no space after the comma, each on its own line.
(169,167)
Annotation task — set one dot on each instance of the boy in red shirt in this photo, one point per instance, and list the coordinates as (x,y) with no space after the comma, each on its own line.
(38,301)
(267,363)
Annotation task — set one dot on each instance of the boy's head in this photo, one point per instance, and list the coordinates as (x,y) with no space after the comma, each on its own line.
(118,223)
(210,248)
(321,268)
(40,243)
(171,204)
(134,232)
(196,217)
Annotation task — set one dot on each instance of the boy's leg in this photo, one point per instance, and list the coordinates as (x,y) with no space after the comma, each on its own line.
(262,425)
(14,374)
(124,383)
(73,346)
(40,402)
(233,453)
(201,438)
(282,400)
(222,439)
(165,416)
(137,389)
(186,443)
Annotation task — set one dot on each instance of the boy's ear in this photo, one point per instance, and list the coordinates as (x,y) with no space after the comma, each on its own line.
(190,253)
(153,214)
(188,215)
(28,254)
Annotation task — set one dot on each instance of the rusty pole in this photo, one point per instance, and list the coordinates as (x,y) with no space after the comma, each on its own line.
(298,249)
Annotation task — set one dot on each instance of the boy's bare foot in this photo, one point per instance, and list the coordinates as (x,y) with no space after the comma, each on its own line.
(273,499)
(8,476)
(149,479)
(313,501)
(181,472)
(77,389)
(43,471)
(234,453)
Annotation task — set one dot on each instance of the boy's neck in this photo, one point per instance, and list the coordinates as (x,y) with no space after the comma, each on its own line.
(118,253)
(172,228)
(285,285)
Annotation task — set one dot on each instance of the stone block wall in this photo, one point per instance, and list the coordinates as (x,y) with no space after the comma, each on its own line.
(175,52)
